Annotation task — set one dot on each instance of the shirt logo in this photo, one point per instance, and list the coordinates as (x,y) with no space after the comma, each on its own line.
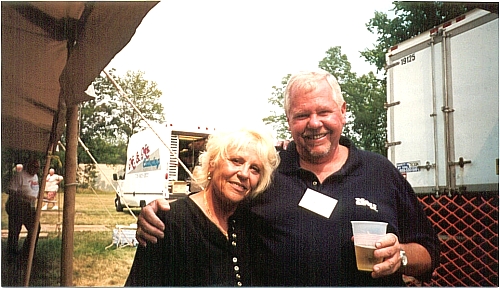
(364,202)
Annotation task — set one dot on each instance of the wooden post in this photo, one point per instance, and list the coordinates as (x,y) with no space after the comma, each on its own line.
(70,180)
(38,214)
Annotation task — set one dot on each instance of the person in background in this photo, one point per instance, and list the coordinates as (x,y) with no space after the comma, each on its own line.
(19,168)
(301,225)
(204,244)
(20,207)
(51,188)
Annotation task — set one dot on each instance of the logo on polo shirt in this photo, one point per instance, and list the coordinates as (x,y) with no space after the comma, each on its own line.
(364,202)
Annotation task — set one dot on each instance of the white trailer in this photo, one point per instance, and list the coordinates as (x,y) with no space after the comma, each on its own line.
(157,160)
(442,106)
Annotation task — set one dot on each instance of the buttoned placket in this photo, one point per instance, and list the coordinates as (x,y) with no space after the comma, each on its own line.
(233,242)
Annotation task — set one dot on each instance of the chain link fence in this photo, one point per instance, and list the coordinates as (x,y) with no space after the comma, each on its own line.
(467,226)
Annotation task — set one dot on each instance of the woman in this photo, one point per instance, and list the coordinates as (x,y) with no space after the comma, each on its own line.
(204,244)
(51,187)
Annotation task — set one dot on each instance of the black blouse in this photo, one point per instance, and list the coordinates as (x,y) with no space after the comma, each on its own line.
(194,252)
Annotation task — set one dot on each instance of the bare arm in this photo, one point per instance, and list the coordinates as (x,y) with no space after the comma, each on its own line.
(149,226)
(419,259)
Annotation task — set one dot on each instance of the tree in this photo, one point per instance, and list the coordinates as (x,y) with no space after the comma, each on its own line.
(335,63)
(108,121)
(278,119)
(365,97)
(338,65)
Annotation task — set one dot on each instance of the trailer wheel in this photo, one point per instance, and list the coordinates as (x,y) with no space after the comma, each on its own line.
(118,205)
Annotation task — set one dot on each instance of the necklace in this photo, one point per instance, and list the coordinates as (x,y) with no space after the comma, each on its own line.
(210,216)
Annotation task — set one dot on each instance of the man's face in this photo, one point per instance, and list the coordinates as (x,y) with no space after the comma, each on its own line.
(316,121)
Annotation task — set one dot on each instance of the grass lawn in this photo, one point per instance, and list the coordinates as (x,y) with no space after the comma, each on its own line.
(93,265)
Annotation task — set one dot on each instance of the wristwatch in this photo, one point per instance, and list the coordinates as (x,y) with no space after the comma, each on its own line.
(404,259)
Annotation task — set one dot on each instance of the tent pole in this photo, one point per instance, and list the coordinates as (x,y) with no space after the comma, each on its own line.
(71,164)
(37,218)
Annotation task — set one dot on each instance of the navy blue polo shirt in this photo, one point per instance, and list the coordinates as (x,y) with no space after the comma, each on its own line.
(294,246)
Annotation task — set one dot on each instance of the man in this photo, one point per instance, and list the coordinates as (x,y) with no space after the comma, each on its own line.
(300,227)
(20,206)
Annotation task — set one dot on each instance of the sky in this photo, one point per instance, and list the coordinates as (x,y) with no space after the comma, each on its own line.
(216,61)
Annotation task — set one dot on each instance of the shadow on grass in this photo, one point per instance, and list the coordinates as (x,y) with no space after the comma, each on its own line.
(93,264)
(46,265)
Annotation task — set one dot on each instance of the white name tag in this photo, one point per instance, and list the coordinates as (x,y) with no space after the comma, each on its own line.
(318,203)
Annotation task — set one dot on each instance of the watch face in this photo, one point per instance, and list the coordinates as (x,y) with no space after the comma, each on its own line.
(404,259)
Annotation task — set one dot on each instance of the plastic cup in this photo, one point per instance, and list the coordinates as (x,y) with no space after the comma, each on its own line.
(366,234)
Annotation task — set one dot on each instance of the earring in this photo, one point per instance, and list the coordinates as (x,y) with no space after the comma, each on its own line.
(209,177)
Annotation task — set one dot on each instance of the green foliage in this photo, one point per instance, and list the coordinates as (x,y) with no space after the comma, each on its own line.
(389,33)
(55,162)
(89,174)
(337,64)
(145,96)
(365,97)
(278,119)
(108,121)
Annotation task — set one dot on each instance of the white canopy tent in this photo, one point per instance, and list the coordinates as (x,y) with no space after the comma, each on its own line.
(51,52)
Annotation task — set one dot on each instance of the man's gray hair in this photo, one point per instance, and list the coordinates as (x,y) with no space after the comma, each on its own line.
(307,81)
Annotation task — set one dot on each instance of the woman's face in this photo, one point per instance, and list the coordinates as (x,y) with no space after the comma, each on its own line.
(235,177)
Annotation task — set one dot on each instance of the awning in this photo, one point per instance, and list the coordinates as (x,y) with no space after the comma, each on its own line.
(51,53)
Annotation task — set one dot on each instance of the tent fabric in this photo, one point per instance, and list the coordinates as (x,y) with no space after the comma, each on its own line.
(51,53)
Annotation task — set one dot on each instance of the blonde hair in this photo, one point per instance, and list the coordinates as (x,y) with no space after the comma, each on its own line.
(307,81)
(221,144)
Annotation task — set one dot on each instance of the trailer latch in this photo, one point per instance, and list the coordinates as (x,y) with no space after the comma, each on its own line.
(461,162)
(388,105)
(427,166)
(389,144)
